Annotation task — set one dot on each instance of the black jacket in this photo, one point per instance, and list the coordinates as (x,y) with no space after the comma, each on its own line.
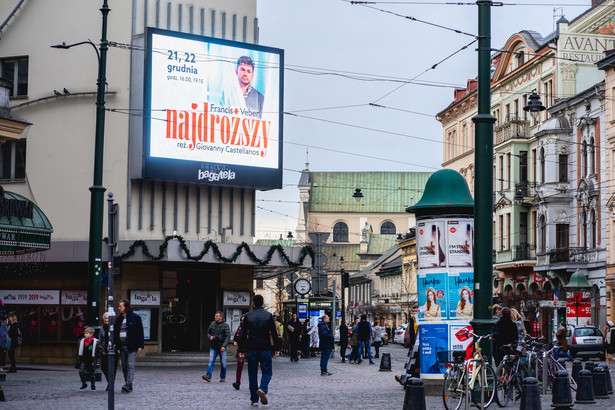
(298,329)
(325,335)
(259,331)
(364,330)
(134,331)
(506,332)
(221,333)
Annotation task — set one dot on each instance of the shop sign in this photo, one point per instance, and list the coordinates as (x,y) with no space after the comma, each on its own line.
(74,297)
(395,309)
(30,297)
(145,298)
(538,278)
(236,298)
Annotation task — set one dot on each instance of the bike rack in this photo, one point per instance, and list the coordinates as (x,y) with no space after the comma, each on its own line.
(482,386)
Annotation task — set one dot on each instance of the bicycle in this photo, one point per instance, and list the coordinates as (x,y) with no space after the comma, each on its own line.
(472,379)
(510,374)
(553,366)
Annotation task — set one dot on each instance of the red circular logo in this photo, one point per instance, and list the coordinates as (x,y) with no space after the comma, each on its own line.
(236,111)
(440,294)
(421,232)
(453,230)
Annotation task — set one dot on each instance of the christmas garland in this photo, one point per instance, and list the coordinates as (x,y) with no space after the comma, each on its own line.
(211,245)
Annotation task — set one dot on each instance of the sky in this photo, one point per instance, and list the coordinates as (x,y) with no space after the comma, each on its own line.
(340,58)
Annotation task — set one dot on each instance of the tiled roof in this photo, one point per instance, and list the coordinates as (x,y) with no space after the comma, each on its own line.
(378,244)
(384,192)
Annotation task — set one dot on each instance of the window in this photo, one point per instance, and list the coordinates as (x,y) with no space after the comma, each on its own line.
(524,104)
(592,219)
(563,168)
(259,284)
(561,236)
(584,229)
(507,112)
(502,232)
(522,166)
(508,231)
(543,233)
(388,228)
(584,159)
(340,232)
(592,153)
(508,166)
(13,160)
(520,58)
(501,175)
(542,165)
(534,176)
(16,70)
(534,227)
(516,108)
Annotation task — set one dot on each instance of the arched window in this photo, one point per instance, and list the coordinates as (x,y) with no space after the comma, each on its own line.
(592,152)
(508,290)
(584,158)
(340,232)
(592,219)
(542,165)
(388,228)
(584,229)
(533,290)
(543,234)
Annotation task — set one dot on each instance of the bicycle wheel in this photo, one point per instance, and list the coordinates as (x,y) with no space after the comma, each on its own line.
(503,385)
(557,366)
(487,385)
(453,389)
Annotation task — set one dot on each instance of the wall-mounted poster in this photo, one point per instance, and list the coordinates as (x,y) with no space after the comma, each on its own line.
(461,295)
(460,240)
(460,340)
(434,349)
(430,244)
(432,296)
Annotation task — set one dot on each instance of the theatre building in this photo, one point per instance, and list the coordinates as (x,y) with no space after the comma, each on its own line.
(183,180)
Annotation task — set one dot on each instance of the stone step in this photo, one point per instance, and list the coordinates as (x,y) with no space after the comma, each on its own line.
(168,359)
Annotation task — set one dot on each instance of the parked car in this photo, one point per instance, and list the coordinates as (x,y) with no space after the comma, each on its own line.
(398,336)
(585,341)
(408,336)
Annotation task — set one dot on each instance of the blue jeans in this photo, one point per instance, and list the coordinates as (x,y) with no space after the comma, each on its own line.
(254,358)
(293,348)
(367,347)
(324,359)
(213,353)
(560,349)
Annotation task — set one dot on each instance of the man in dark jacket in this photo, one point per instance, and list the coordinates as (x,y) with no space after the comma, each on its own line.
(259,333)
(219,334)
(325,336)
(294,329)
(364,332)
(128,336)
(505,333)
(343,341)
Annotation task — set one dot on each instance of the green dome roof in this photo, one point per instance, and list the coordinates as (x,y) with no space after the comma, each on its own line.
(446,192)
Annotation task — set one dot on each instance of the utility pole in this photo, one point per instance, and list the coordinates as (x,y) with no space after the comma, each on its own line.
(113,213)
(483,189)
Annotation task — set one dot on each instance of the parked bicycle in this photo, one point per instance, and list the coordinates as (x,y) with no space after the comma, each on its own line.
(472,379)
(510,374)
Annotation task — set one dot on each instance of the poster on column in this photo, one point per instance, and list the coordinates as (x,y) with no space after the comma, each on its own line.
(430,244)
(432,296)
(460,340)
(460,234)
(434,345)
(461,295)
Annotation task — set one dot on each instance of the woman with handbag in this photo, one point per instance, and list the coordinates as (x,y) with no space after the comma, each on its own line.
(240,358)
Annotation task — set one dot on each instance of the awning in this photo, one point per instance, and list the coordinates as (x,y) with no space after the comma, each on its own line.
(24,228)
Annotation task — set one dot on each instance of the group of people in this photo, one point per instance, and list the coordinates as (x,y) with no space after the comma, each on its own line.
(127,341)
(10,340)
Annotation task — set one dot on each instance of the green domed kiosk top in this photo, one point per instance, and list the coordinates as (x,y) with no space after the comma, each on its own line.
(446,192)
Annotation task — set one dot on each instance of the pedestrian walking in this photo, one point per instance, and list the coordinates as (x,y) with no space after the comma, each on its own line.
(343,341)
(88,357)
(219,334)
(326,344)
(241,358)
(259,336)
(305,340)
(16,338)
(294,329)
(377,338)
(128,337)
(364,330)
(104,344)
(5,340)
(609,337)
(354,344)
(561,334)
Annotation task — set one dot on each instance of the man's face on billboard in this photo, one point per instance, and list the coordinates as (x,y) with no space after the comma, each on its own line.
(245,74)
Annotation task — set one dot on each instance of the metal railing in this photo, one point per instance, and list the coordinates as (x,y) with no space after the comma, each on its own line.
(513,126)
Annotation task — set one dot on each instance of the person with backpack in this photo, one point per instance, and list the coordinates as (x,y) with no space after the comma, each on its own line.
(16,339)
(609,337)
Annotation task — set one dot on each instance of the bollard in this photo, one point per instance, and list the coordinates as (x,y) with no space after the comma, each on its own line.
(385,362)
(590,366)
(585,388)
(415,395)
(577,366)
(599,381)
(609,382)
(1,395)
(530,395)
(562,395)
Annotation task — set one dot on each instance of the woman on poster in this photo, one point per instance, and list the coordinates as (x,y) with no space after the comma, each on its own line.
(431,309)
(465,309)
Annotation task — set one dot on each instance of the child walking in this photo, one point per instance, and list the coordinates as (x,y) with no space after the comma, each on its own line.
(90,352)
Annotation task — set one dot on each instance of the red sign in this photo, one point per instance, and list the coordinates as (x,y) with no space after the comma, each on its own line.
(579,306)
(538,279)
(453,230)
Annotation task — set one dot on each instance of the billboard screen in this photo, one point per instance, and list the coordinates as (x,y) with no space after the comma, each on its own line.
(212,111)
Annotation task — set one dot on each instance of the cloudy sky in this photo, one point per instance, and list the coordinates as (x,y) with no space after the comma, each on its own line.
(340,58)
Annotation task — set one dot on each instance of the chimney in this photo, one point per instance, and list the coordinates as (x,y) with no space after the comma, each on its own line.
(594,2)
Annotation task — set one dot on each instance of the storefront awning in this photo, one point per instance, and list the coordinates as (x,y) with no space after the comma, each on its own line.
(24,228)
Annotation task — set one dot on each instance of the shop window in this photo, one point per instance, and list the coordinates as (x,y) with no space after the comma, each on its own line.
(15,70)
(73,323)
(49,323)
(13,160)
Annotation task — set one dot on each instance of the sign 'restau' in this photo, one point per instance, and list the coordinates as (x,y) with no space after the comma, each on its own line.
(15,207)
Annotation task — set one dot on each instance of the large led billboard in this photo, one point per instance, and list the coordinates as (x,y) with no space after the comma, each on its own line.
(212,111)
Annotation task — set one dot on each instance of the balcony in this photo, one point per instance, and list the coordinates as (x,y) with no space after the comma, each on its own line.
(524,193)
(512,127)
(573,255)
(522,252)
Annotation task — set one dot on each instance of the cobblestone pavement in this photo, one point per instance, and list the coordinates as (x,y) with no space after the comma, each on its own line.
(294,386)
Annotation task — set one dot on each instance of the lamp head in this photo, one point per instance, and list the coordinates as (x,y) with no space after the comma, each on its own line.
(534,106)
(357,195)
(63,45)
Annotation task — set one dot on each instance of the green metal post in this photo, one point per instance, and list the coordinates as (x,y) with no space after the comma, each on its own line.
(483,189)
(97,190)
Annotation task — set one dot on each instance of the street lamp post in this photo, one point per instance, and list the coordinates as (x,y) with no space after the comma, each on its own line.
(97,190)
